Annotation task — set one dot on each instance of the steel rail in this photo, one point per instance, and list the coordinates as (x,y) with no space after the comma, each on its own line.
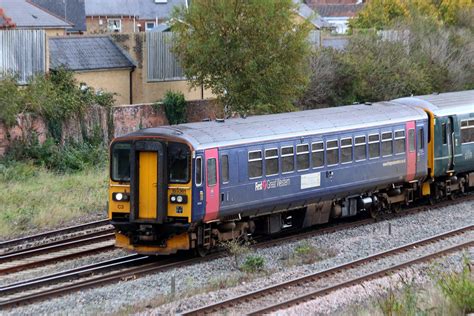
(219,306)
(11,242)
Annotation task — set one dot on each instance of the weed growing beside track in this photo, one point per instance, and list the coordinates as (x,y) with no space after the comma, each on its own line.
(34,198)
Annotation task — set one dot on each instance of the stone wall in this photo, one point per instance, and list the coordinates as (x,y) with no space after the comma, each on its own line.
(125,119)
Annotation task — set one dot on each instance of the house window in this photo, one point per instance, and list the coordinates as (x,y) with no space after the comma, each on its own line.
(114,25)
(149,26)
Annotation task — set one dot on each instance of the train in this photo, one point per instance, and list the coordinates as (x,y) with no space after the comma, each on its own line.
(193,186)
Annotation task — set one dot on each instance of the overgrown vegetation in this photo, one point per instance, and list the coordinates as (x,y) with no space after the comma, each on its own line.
(175,107)
(251,54)
(417,53)
(243,258)
(27,194)
(57,98)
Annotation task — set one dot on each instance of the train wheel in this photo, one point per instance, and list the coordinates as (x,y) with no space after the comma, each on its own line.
(202,252)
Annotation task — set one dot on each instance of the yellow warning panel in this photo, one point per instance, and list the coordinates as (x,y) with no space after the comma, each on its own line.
(148,180)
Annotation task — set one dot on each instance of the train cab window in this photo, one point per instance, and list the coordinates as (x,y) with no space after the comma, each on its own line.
(225,168)
(120,162)
(360,149)
(287,159)
(198,171)
(255,164)
(421,139)
(332,152)
(387,144)
(411,139)
(399,142)
(467,131)
(317,154)
(178,163)
(444,134)
(211,172)
(374,146)
(346,150)
(302,157)
(271,161)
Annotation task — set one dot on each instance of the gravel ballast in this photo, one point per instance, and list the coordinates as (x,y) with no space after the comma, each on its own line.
(337,248)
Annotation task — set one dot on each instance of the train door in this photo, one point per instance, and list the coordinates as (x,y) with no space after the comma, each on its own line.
(450,135)
(148,200)
(212,184)
(420,149)
(411,150)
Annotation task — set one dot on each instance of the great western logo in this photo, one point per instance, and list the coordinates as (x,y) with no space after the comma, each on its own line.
(272,184)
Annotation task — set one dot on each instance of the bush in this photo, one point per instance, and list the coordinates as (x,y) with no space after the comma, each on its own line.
(236,248)
(253,263)
(175,107)
(459,288)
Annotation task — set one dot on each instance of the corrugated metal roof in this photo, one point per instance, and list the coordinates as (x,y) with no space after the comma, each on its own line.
(71,10)
(27,15)
(449,103)
(142,9)
(87,53)
(294,124)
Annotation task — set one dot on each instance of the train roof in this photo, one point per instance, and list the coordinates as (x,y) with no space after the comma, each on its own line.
(450,103)
(236,131)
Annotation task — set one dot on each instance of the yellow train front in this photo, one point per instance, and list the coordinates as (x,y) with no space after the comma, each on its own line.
(150,193)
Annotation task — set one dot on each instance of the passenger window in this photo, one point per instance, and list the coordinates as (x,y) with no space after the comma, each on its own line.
(360,150)
(332,152)
(198,171)
(444,135)
(467,132)
(302,157)
(387,145)
(346,150)
(271,162)
(374,146)
(255,164)
(317,154)
(399,142)
(421,139)
(411,139)
(225,168)
(211,172)
(287,159)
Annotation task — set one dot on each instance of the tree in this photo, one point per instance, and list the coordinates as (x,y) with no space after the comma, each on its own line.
(252,54)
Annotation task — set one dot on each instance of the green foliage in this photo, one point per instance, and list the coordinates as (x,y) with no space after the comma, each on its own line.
(403,302)
(459,288)
(11,100)
(251,54)
(381,14)
(253,264)
(175,107)
(237,249)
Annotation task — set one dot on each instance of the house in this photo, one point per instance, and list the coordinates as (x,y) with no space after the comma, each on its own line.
(96,62)
(23,14)
(307,13)
(337,12)
(70,10)
(128,16)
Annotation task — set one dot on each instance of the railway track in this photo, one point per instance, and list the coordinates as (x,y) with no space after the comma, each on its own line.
(266,297)
(45,248)
(134,266)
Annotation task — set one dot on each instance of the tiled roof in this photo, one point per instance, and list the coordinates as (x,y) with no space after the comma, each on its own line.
(338,10)
(87,53)
(27,15)
(71,10)
(143,9)
(306,12)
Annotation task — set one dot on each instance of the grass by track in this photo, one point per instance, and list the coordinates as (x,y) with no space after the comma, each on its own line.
(33,199)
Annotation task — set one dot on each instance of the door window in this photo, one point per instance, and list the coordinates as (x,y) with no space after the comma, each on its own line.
(211,172)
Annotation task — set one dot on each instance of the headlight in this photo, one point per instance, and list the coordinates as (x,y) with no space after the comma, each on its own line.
(120,197)
(182,199)
(179,199)
(173,198)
